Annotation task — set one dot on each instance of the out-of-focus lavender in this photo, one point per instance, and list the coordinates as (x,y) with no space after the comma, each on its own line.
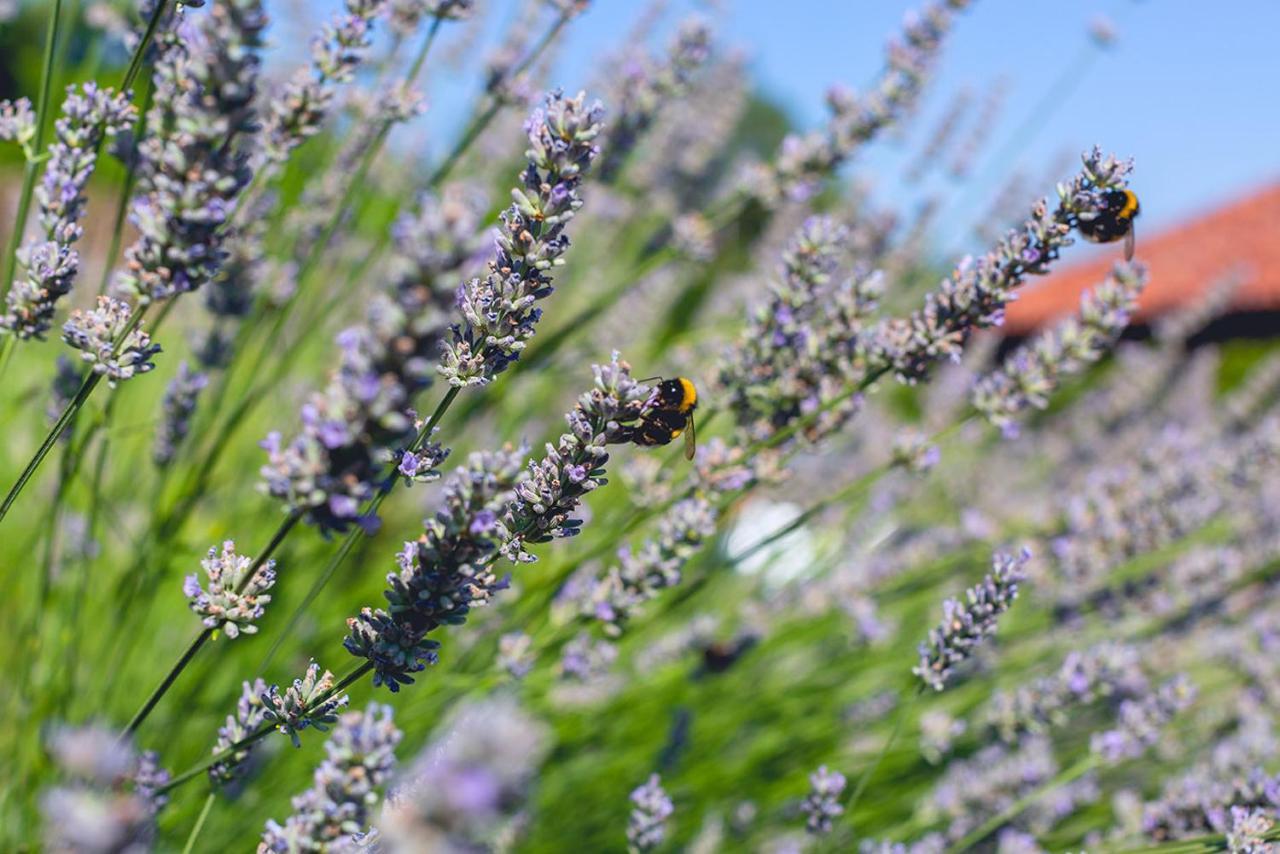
(1031,374)
(193,162)
(178,405)
(469,783)
(108,801)
(17,122)
(249,715)
(49,264)
(822,805)
(335,812)
(651,811)
(1140,723)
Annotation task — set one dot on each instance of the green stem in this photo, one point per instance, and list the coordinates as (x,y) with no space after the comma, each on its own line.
(185,658)
(139,53)
(86,388)
(32,165)
(200,820)
(899,719)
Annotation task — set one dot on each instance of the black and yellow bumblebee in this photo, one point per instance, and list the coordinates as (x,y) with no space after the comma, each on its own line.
(668,415)
(1114,221)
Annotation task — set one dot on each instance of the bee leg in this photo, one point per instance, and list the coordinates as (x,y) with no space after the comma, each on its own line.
(1129,242)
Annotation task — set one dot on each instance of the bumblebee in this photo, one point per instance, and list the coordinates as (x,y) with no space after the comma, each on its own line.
(1114,221)
(668,415)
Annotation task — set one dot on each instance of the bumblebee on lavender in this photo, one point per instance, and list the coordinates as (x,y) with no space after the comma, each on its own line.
(1114,221)
(668,415)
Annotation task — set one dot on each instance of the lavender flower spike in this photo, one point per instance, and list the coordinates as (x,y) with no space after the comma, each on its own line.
(335,812)
(97,335)
(443,574)
(250,714)
(194,164)
(50,265)
(823,802)
(1030,375)
(234,600)
(647,827)
(499,310)
(965,624)
(544,503)
(306,703)
(975,295)
(298,111)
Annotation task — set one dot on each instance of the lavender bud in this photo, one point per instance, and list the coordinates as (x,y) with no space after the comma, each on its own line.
(250,714)
(17,122)
(178,405)
(650,812)
(359,760)
(98,335)
(499,311)
(49,264)
(1031,374)
(193,163)
(406,15)
(515,654)
(1250,831)
(301,705)
(822,805)
(966,624)
(1140,723)
(234,600)
(913,452)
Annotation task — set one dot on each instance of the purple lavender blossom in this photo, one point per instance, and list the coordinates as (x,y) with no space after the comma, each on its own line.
(49,264)
(542,507)
(499,310)
(966,624)
(822,805)
(234,600)
(308,702)
(406,15)
(975,294)
(99,335)
(1031,374)
(193,162)
(178,405)
(359,760)
(651,811)
(973,789)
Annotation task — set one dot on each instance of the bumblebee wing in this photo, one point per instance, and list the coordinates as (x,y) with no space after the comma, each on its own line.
(690,440)
(1129,242)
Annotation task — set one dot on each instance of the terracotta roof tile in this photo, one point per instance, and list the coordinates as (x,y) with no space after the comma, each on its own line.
(1240,238)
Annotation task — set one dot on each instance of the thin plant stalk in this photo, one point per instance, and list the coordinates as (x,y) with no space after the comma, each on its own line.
(1079,769)
(33,156)
(199,825)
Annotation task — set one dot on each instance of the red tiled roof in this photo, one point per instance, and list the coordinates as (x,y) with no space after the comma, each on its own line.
(1241,238)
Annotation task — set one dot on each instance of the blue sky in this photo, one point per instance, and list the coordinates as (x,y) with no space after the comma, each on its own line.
(1191,94)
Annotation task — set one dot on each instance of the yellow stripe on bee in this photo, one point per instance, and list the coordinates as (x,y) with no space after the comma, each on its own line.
(1130,205)
(690,398)
(676,433)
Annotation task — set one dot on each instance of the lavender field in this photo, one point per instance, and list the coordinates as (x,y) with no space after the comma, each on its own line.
(431,426)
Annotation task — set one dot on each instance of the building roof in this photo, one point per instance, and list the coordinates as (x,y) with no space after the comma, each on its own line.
(1240,239)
